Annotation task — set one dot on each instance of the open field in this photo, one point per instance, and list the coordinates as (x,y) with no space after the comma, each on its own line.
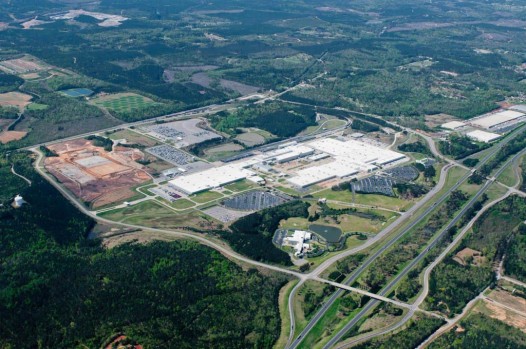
(206,196)
(123,102)
(501,313)
(15,99)
(9,136)
(251,139)
(94,175)
(24,65)
(155,215)
(132,137)
(365,199)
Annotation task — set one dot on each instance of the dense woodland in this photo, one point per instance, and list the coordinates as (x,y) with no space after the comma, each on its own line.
(281,119)
(481,332)
(61,290)
(418,329)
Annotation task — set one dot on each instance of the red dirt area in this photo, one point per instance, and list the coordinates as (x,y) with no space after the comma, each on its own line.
(95,175)
(119,343)
(8,136)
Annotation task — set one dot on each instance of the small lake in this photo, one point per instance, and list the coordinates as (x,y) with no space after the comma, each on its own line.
(331,234)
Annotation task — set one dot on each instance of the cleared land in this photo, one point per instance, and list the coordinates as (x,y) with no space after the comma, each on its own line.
(15,99)
(95,175)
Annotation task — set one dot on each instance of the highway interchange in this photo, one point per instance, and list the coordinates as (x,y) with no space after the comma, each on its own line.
(407,221)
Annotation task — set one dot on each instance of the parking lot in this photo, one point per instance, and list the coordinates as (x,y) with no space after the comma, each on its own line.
(375,185)
(254,201)
(403,173)
(171,154)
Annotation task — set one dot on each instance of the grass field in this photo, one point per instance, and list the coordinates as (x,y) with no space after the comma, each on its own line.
(284,313)
(37,106)
(155,215)
(133,138)
(365,199)
(123,102)
(240,186)
(182,204)
(206,196)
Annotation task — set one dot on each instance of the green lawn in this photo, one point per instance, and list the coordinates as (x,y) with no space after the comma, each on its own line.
(240,186)
(182,204)
(37,106)
(206,196)
(365,199)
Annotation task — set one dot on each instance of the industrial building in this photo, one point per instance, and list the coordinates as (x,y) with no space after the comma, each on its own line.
(482,136)
(453,125)
(350,157)
(347,158)
(211,178)
(490,121)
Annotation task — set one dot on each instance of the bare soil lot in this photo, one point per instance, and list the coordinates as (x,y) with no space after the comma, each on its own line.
(15,99)
(94,175)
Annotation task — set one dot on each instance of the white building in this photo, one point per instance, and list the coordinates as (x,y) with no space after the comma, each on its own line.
(18,201)
(298,241)
(350,157)
(482,136)
(453,125)
(489,121)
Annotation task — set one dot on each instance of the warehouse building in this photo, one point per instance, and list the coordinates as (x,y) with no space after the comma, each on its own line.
(453,125)
(483,136)
(490,121)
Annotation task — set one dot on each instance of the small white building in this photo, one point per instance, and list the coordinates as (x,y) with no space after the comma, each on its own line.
(18,201)
(298,241)
(453,125)
(483,136)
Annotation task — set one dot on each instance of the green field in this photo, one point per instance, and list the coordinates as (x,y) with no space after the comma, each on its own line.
(37,106)
(206,196)
(182,204)
(123,102)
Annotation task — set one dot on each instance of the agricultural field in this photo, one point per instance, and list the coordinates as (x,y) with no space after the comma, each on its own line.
(123,102)
(15,99)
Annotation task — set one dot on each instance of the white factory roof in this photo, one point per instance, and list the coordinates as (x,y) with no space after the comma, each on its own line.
(519,107)
(350,157)
(288,153)
(492,120)
(482,136)
(211,178)
(453,125)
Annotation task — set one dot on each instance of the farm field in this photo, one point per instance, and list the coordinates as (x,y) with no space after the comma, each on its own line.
(123,102)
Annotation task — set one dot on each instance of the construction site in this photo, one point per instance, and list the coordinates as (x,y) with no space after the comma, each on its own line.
(96,176)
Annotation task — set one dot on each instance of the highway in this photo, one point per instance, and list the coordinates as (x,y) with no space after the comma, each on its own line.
(355,274)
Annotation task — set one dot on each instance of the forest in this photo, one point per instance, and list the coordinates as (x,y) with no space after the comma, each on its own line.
(59,289)
(281,119)
(481,332)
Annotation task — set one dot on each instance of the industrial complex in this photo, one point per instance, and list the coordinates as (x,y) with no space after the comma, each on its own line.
(321,160)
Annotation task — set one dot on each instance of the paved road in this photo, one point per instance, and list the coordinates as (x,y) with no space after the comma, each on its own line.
(352,278)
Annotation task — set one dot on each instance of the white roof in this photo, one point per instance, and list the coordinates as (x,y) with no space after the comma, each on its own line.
(519,107)
(350,157)
(453,125)
(211,178)
(482,136)
(492,120)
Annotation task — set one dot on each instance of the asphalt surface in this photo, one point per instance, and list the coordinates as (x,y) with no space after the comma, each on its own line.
(352,278)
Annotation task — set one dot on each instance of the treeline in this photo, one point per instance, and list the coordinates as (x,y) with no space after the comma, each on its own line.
(8,112)
(281,119)
(516,255)
(102,142)
(460,146)
(415,147)
(514,146)
(61,290)
(364,126)
(419,328)
(252,234)
(9,82)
